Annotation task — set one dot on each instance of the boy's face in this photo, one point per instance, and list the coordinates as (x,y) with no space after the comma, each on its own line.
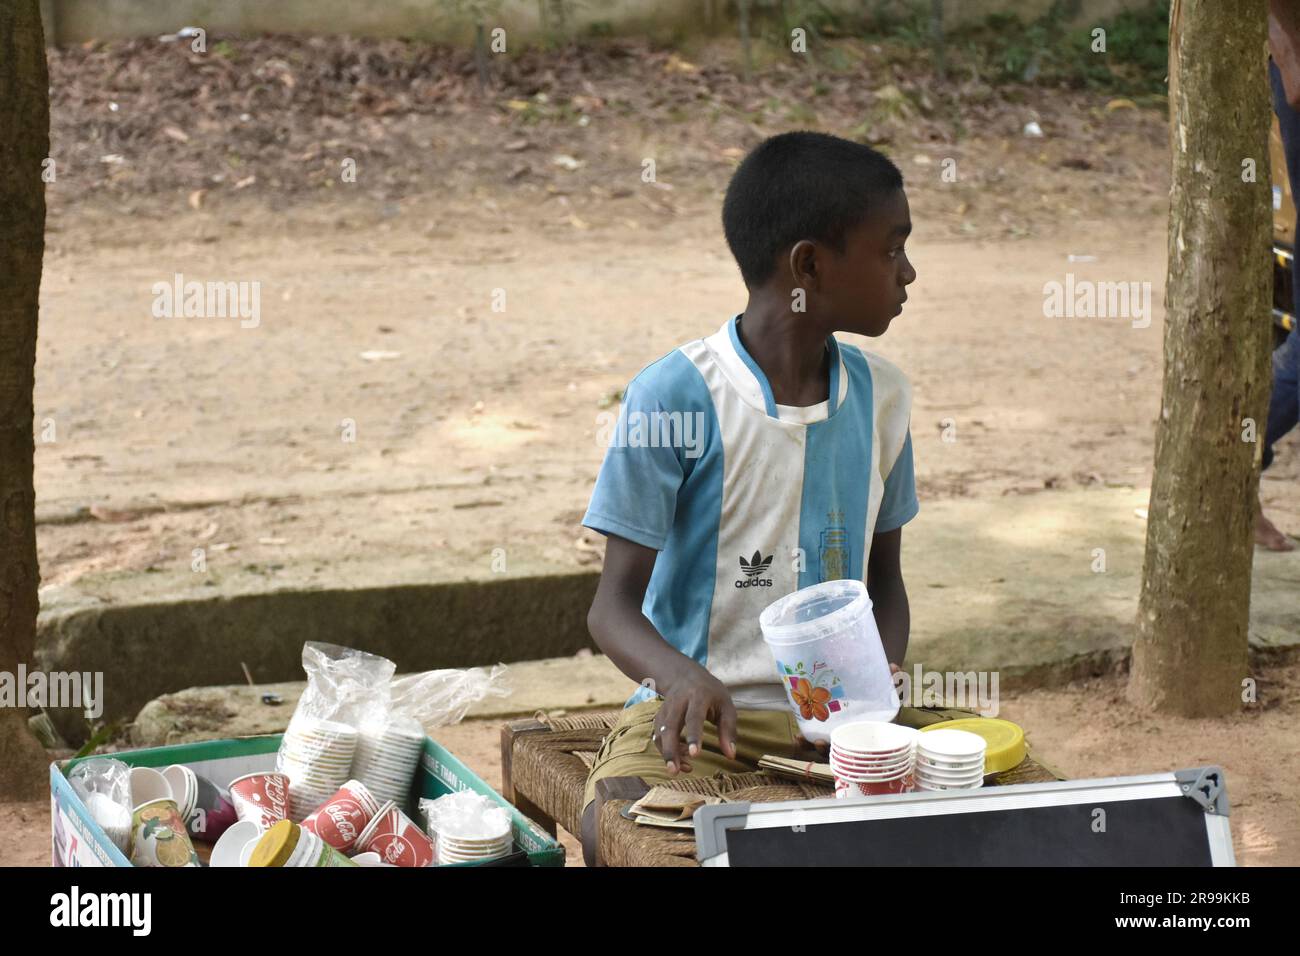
(864,289)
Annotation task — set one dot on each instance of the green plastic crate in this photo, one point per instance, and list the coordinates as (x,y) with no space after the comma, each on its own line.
(76,840)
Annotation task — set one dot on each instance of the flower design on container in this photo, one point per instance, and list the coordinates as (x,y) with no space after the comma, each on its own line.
(812,701)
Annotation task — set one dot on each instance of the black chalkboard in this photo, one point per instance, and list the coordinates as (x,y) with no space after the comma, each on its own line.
(1163,831)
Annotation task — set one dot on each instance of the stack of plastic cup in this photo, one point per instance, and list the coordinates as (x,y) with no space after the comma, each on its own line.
(316,755)
(452,850)
(872,758)
(387,757)
(468,828)
(114,818)
(950,760)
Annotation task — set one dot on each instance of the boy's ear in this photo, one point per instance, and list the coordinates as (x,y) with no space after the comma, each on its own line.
(803,263)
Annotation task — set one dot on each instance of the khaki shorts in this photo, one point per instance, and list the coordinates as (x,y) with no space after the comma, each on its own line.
(630,751)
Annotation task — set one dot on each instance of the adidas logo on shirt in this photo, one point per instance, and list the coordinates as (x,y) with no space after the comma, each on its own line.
(753,571)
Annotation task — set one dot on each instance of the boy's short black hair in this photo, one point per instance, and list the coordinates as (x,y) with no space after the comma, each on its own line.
(800,185)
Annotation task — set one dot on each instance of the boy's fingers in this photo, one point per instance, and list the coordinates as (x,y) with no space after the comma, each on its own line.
(727,729)
(695,713)
(668,732)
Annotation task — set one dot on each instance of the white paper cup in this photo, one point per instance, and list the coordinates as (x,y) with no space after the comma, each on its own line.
(872,737)
(865,778)
(951,745)
(923,784)
(185,788)
(371,859)
(852,758)
(230,846)
(905,761)
(896,761)
(934,774)
(940,777)
(148,785)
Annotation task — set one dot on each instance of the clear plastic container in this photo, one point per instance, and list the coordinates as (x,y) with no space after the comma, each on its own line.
(829,657)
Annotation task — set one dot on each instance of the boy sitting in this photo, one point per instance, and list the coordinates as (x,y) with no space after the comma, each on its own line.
(761,459)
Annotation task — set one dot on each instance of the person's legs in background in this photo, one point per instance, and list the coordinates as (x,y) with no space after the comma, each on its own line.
(1284,402)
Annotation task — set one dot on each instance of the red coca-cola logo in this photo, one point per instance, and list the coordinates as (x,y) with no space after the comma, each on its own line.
(276,793)
(398,851)
(347,818)
(401,843)
(260,796)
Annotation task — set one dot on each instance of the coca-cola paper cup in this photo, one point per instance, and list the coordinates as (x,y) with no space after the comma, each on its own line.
(342,818)
(261,797)
(396,839)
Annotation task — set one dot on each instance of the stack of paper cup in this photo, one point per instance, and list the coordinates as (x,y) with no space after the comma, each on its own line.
(316,755)
(949,760)
(871,758)
(396,839)
(387,757)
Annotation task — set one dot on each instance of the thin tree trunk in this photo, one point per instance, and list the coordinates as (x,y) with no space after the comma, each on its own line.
(1190,656)
(936,38)
(745,48)
(481,56)
(24,144)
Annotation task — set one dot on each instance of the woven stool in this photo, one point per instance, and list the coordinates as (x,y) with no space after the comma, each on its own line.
(544,765)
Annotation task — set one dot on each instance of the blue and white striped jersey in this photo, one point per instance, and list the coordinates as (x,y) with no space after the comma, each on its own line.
(747,500)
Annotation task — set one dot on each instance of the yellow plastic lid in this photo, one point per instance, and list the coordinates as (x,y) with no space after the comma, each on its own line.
(1006,741)
(276,845)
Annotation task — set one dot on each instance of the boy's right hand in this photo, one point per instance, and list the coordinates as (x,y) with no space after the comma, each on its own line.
(679,726)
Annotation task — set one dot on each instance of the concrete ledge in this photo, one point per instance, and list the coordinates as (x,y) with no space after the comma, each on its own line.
(584,681)
(146,650)
(1006,585)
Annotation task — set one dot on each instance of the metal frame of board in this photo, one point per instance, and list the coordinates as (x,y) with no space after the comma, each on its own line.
(1204,785)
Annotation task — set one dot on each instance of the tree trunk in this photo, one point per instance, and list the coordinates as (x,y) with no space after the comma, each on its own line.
(747,56)
(24,145)
(481,57)
(1190,656)
(936,39)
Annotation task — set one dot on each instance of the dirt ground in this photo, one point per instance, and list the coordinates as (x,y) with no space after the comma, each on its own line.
(477,429)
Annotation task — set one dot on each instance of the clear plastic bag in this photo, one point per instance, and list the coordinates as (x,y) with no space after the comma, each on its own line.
(354,721)
(391,740)
(465,815)
(104,786)
(344,687)
(440,698)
